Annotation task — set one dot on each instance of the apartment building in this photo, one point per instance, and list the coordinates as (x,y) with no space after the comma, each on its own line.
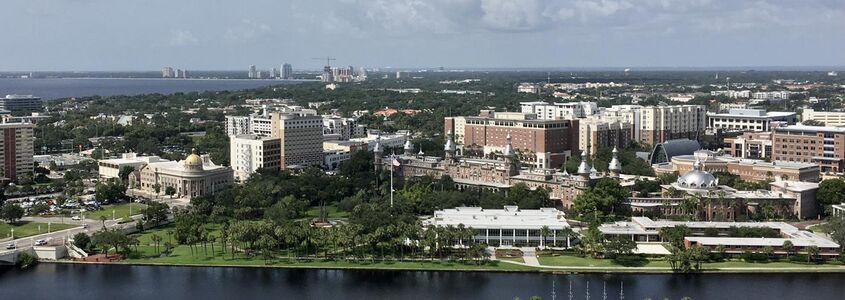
(249,153)
(824,146)
(16,151)
(301,138)
(595,133)
(661,123)
(568,110)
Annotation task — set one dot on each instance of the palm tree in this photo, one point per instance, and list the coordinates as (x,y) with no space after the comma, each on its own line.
(812,251)
(156,240)
(544,234)
(103,219)
(567,233)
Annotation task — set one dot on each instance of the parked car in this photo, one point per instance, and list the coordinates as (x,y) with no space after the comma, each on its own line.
(41,242)
(76,218)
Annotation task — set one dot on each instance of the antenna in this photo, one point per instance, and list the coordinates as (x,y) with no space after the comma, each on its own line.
(327,58)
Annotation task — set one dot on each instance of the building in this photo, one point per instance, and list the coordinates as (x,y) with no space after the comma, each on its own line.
(529,88)
(596,133)
(748,119)
(301,137)
(344,128)
(824,146)
(663,152)
(253,72)
(662,123)
(167,72)
(732,94)
(260,124)
(21,103)
(714,202)
(568,110)
(746,169)
(16,151)
(287,71)
(754,145)
(720,235)
(541,143)
(829,118)
(510,226)
(333,158)
(249,153)
(190,178)
(110,168)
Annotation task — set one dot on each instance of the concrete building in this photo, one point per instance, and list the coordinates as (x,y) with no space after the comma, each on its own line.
(253,72)
(287,71)
(745,94)
(193,177)
(661,123)
(824,146)
(21,103)
(510,226)
(529,88)
(110,168)
(260,124)
(167,72)
(249,153)
(746,169)
(719,234)
(301,137)
(754,145)
(558,111)
(829,118)
(595,133)
(748,119)
(344,128)
(16,151)
(541,143)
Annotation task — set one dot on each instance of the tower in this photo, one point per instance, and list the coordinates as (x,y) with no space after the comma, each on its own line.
(377,154)
(584,168)
(449,148)
(508,155)
(615,167)
(409,148)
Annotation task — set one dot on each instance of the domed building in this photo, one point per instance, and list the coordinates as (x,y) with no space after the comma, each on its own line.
(192,177)
(697,180)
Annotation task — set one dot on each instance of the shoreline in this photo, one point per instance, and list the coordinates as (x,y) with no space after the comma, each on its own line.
(529,269)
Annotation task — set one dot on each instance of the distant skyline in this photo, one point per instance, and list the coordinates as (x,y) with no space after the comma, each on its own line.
(101,35)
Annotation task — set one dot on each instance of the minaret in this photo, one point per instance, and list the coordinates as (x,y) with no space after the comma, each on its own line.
(409,148)
(450,146)
(508,155)
(615,167)
(377,153)
(584,168)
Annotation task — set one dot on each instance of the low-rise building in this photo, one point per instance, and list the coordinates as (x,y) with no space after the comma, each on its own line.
(21,103)
(824,146)
(110,168)
(190,178)
(754,145)
(829,118)
(510,226)
(746,169)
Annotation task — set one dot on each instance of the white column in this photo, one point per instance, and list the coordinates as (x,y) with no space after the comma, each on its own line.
(554,238)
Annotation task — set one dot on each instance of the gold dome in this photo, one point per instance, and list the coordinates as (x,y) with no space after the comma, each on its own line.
(193,159)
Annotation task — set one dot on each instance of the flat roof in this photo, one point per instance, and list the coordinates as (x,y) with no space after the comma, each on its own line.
(811,128)
(510,217)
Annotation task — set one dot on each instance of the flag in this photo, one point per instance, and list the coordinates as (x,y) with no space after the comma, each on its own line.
(395,163)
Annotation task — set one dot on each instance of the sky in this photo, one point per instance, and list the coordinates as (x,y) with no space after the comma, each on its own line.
(128,35)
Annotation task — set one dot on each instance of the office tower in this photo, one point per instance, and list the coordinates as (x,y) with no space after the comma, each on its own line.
(253,73)
(287,71)
(250,153)
(301,137)
(21,103)
(167,72)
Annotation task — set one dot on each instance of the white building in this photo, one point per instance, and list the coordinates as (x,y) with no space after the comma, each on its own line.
(110,168)
(301,136)
(193,177)
(510,226)
(333,159)
(567,110)
(829,118)
(259,124)
(732,94)
(529,88)
(249,153)
(345,128)
(748,119)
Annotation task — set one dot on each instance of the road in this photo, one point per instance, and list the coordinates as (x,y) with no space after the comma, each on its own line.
(60,235)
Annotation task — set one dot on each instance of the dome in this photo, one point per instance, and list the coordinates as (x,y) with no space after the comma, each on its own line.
(193,161)
(508,152)
(583,168)
(697,179)
(614,164)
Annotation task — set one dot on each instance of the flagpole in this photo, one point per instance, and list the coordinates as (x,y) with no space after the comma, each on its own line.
(393,159)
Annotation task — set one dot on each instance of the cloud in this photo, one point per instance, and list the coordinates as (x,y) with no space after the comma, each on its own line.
(247,30)
(182,38)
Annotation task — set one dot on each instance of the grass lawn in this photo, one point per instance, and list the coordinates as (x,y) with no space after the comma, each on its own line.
(24,229)
(182,255)
(331,210)
(120,211)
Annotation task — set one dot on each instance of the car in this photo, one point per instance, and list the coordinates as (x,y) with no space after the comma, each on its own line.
(11,246)
(41,242)
(76,218)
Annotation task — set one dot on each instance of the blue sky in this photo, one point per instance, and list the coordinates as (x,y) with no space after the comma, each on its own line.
(230,35)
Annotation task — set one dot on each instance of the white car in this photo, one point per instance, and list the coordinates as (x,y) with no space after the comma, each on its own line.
(41,242)
(76,218)
(11,246)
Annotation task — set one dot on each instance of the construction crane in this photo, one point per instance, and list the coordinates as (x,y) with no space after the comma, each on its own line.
(328,60)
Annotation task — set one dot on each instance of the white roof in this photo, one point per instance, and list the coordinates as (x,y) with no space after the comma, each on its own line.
(511,217)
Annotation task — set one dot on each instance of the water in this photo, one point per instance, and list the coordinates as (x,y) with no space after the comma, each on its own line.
(66,281)
(54,88)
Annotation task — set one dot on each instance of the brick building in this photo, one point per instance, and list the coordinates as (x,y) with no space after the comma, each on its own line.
(824,146)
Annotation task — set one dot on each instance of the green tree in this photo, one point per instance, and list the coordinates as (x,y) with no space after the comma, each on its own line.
(11,212)
(830,192)
(618,247)
(788,247)
(124,172)
(156,212)
(170,191)
(675,235)
(812,252)
(81,240)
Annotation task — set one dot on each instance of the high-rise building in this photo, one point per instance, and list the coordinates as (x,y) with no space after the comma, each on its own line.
(167,72)
(301,137)
(824,146)
(274,73)
(16,151)
(662,123)
(21,103)
(253,73)
(596,133)
(249,153)
(259,124)
(287,71)
(567,110)
(327,74)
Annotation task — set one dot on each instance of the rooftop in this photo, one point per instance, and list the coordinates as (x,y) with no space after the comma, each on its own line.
(510,217)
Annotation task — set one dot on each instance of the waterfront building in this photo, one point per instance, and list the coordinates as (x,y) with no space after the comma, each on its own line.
(253,72)
(824,146)
(715,235)
(829,118)
(110,168)
(748,119)
(746,169)
(192,177)
(167,72)
(510,226)
(16,151)
(21,103)
(541,143)
(287,71)
(249,153)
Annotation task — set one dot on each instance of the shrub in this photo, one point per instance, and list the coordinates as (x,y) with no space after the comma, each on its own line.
(25,260)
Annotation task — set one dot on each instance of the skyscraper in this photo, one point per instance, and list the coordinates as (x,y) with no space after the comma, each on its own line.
(253,73)
(287,71)
(274,73)
(167,72)
(16,150)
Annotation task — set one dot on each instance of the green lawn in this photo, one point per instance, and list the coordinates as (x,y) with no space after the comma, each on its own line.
(182,255)
(331,210)
(24,229)
(120,211)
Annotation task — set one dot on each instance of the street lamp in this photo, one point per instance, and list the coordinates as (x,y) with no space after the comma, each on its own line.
(112,214)
(13,233)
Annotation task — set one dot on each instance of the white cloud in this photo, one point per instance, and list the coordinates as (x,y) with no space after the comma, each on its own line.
(247,30)
(182,38)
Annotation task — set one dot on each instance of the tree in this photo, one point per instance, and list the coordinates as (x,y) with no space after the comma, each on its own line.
(39,208)
(830,192)
(591,241)
(170,191)
(156,212)
(81,240)
(788,247)
(545,232)
(835,228)
(619,246)
(675,235)
(812,252)
(103,219)
(124,172)
(156,240)
(157,188)
(11,212)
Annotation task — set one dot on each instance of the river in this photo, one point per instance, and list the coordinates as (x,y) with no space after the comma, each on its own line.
(55,88)
(73,281)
